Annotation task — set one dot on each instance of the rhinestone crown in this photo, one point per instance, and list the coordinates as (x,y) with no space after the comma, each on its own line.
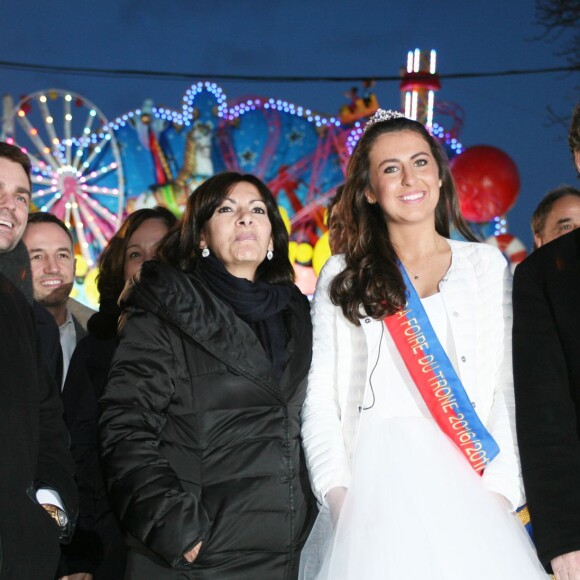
(382,115)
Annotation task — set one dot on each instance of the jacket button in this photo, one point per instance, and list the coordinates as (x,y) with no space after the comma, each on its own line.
(463,359)
(473,404)
(367,320)
(456,314)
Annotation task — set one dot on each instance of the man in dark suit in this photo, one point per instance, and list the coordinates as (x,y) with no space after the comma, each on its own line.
(38,497)
(546,343)
(556,215)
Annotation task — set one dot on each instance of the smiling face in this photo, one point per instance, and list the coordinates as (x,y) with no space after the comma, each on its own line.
(404,178)
(14,203)
(239,232)
(142,245)
(52,263)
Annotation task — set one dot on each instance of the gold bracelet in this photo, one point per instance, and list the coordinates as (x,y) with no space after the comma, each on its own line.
(56,514)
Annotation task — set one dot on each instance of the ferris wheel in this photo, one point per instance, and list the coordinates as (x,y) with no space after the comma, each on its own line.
(77,172)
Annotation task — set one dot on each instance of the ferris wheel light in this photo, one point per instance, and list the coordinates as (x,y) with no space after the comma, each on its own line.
(42,99)
(68,98)
(21,113)
(49,120)
(92,112)
(33,131)
(68,117)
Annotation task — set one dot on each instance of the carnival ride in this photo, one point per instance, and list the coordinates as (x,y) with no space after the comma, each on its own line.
(90,171)
(77,172)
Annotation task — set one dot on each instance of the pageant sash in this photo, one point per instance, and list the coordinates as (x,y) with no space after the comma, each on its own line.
(437,381)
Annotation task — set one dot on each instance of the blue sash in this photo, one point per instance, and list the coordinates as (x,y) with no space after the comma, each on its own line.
(437,381)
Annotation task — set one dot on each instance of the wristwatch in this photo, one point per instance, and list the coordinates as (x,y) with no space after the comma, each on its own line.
(56,514)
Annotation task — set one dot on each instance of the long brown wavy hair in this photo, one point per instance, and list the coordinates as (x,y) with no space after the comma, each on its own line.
(111,277)
(372,279)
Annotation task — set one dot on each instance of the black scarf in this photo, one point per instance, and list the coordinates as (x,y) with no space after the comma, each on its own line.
(259,304)
(15,265)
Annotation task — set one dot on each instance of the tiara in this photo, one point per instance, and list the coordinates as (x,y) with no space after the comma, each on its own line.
(381,115)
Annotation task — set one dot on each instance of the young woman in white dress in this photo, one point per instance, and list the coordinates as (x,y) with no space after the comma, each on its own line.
(416,478)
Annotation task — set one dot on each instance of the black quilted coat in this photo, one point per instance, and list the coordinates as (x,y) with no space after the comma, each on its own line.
(200,440)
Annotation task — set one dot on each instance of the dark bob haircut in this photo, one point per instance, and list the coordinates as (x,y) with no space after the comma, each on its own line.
(182,248)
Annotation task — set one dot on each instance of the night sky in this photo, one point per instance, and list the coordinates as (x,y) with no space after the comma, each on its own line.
(311,38)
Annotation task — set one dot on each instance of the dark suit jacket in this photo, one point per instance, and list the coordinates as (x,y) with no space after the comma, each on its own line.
(34,446)
(49,341)
(98,545)
(547,386)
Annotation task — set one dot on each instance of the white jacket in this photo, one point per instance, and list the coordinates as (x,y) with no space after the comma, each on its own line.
(476,292)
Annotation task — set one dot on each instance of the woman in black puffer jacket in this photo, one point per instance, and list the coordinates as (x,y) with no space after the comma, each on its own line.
(201,415)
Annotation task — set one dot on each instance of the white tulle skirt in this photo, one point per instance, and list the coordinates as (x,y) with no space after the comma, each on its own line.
(416,510)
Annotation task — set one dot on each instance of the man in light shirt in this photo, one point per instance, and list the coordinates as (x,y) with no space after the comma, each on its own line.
(52,261)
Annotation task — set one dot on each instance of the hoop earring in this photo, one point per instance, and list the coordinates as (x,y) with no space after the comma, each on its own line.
(269,254)
(205,253)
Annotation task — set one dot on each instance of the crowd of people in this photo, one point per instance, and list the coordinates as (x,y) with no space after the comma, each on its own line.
(208,423)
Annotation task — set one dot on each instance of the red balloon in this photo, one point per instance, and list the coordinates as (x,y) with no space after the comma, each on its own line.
(487,182)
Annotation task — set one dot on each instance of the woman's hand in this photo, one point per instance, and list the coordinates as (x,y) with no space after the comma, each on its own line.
(335,498)
(192,554)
